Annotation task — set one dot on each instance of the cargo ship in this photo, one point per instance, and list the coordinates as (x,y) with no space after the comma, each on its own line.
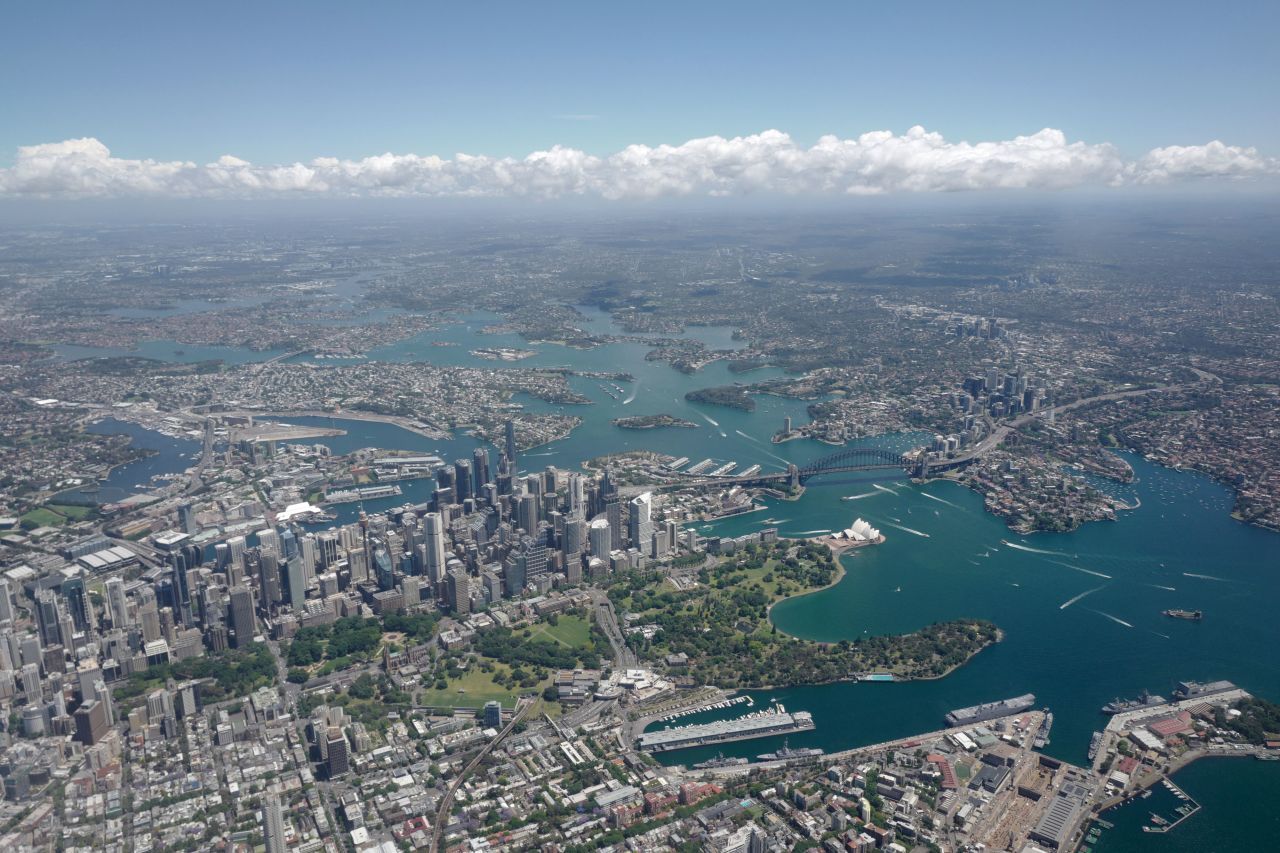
(1120,706)
(990,710)
(1193,615)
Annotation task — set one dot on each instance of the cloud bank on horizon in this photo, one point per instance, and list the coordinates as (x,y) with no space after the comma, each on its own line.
(765,163)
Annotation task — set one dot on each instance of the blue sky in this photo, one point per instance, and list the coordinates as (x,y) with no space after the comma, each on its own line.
(281,82)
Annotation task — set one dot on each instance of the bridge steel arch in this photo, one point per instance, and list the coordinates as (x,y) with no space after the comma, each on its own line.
(854,459)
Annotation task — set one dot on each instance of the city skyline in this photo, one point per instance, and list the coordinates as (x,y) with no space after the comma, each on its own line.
(678,428)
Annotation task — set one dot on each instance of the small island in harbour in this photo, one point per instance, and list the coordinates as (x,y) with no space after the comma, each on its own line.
(653,422)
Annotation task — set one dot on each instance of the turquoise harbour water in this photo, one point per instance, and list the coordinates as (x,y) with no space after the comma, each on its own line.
(1081,611)
(1238,813)
(168,456)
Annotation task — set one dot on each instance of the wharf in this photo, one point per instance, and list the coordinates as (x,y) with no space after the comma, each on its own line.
(364,493)
(259,433)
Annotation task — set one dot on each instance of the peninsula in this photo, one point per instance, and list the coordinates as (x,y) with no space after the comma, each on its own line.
(717,624)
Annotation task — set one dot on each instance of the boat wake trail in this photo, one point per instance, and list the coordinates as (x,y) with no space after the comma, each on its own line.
(774,521)
(939,500)
(1206,577)
(909,530)
(1158,634)
(1080,569)
(1166,588)
(634,392)
(883,489)
(1070,601)
(811,532)
(747,437)
(859,497)
(1112,618)
(1031,550)
(714,423)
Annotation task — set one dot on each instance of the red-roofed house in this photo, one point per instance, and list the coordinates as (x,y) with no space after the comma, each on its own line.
(948,782)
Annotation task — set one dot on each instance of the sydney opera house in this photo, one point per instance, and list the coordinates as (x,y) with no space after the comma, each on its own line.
(861,531)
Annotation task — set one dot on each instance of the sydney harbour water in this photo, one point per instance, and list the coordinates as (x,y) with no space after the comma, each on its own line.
(1081,611)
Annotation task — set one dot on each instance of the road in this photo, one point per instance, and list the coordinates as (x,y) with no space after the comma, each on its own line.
(446,804)
(623,657)
(1002,431)
(206,457)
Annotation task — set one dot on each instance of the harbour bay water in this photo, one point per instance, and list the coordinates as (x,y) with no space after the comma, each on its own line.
(170,351)
(1081,611)
(168,456)
(1180,549)
(1237,798)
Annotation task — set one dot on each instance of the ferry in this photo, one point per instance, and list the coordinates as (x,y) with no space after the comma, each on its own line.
(1192,615)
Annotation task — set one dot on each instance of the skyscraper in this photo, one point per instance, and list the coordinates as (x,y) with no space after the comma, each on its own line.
(242,619)
(383,569)
(613,512)
(78,604)
(181,586)
(480,469)
(434,535)
(296,580)
(511,446)
(463,482)
(527,514)
(117,603)
(575,535)
(269,578)
(577,495)
(187,518)
(600,537)
(47,617)
(459,585)
(273,824)
(640,523)
(269,540)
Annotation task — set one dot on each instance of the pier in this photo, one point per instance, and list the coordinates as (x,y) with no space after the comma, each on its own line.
(366,493)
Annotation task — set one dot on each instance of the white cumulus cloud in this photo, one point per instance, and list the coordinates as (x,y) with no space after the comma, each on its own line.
(763,163)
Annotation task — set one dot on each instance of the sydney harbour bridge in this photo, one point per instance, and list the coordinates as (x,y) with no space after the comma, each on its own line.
(848,460)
